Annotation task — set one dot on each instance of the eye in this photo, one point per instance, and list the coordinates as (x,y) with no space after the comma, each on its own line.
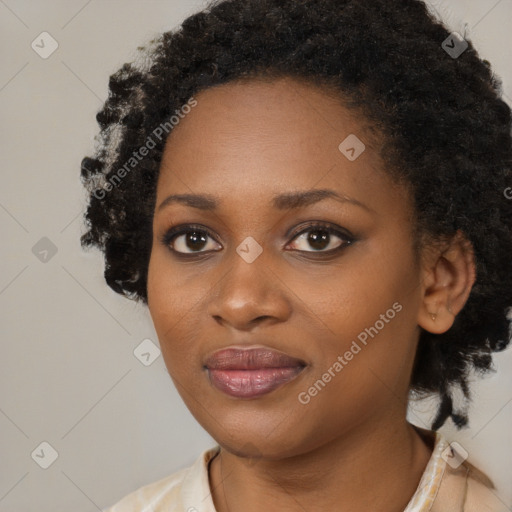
(316,238)
(189,239)
(322,238)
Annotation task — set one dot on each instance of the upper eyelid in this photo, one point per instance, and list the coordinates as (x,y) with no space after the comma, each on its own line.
(184,228)
(320,224)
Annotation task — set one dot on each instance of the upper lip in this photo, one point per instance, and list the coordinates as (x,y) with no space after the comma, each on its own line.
(234,358)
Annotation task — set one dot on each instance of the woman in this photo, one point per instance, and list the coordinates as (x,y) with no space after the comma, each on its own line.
(310,198)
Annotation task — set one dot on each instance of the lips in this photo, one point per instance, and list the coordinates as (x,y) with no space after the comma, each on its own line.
(250,373)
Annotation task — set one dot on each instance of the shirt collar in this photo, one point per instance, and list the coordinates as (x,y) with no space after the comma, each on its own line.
(195,489)
(426,492)
(196,494)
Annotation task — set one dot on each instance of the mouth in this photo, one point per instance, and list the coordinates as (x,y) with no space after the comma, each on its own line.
(250,373)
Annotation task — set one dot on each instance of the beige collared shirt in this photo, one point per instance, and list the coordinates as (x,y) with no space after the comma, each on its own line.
(446,486)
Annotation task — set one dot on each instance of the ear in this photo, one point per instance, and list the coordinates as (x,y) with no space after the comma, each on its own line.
(448,277)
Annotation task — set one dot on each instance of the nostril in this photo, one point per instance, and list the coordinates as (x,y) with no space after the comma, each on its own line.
(218,319)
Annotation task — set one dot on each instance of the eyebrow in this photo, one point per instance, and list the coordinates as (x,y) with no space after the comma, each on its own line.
(290,200)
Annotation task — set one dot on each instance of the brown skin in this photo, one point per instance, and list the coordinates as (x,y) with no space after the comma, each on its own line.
(350,448)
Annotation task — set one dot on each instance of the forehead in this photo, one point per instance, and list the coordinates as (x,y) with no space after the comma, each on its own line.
(268,112)
(267,137)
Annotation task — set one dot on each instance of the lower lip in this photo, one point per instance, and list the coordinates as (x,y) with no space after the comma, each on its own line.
(251,383)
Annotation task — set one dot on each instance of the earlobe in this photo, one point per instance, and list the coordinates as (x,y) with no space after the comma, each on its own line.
(436,322)
(449,277)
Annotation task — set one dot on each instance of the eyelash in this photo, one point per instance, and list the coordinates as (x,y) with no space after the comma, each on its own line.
(168,238)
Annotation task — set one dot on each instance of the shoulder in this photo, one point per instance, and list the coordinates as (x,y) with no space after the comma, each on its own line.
(467,489)
(451,483)
(168,494)
(481,495)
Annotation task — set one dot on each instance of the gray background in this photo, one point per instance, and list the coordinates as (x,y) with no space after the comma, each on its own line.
(69,376)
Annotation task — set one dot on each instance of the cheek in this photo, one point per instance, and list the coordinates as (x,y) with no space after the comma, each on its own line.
(364,311)
(345,298)
(173,305)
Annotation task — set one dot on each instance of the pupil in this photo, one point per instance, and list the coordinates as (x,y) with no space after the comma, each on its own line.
(195,238)
(318,242)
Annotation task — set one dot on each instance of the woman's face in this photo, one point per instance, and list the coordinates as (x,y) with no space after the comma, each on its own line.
(252,273)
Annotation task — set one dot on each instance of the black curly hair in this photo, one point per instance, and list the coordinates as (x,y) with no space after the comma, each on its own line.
(446,134)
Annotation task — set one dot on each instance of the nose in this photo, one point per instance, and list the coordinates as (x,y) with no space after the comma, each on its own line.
(248,295)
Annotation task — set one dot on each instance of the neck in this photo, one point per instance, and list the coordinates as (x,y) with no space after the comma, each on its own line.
(368,469)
